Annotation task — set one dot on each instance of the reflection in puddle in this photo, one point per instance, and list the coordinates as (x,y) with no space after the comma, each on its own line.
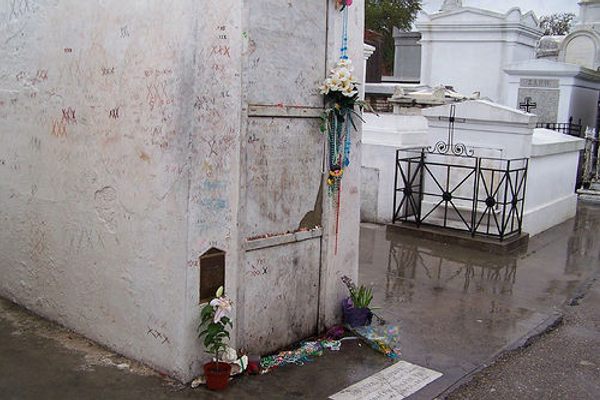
(408,263)
(583,244)
(555,262)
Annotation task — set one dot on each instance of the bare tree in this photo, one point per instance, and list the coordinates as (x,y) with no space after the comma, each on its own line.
(557,23)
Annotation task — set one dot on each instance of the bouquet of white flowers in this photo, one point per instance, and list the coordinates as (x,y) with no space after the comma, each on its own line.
(341,98)
(341,84)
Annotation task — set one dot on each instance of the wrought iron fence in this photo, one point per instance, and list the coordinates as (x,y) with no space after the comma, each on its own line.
(482,196)
(591,159)
(568,128)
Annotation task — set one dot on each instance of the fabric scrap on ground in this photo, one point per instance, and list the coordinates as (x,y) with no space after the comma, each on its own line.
(384,338)
(300,356)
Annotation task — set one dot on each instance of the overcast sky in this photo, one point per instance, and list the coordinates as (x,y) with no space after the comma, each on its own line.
(540,7)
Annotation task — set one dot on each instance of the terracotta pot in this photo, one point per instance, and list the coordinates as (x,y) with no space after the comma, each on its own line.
(217,375)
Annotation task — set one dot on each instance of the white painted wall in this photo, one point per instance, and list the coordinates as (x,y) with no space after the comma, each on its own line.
(94,207)
(342,260)
(550,197)
(382,136)
(579,88)
(124,148)
(465,47)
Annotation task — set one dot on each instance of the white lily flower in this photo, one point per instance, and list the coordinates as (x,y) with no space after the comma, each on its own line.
(343,75)
(336,84)
(340,80)
(222,308)
(346,63)
(349,91)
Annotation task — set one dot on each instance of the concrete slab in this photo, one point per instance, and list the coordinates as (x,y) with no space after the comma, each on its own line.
(455,237)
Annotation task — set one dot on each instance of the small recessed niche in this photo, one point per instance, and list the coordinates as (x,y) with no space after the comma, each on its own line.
(212,273)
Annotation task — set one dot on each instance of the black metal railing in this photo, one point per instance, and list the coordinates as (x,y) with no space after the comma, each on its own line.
(482,196)
(590,169)
(568,128)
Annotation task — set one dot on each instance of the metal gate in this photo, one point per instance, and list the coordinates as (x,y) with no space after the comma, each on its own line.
(481,196)
(591,159)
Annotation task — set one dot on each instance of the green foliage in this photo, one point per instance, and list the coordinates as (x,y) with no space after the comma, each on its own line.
(361,296)
(383,15)
(557,23)
(215,334)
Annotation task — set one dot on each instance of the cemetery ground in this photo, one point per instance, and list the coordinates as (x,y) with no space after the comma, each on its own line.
(459,310)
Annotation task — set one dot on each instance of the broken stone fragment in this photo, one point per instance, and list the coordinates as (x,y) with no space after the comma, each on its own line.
(201,380)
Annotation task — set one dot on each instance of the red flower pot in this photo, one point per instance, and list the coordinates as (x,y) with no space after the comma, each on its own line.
(217,375)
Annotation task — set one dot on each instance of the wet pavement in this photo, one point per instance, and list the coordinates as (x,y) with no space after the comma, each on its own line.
(40,360)
(457,308)
(563,364)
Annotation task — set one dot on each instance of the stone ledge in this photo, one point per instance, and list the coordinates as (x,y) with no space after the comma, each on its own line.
(279,240)
(464,239)
(547,142)
(589,195)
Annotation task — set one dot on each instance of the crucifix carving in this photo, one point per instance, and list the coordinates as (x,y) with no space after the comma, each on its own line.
(458,149)
(527,105)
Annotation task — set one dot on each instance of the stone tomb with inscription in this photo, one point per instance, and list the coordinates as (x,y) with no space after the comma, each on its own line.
(554,91)
(150,154)
(540,97)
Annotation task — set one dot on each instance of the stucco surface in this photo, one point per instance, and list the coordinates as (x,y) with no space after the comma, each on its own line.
(287,59)
(283,175)
(94,187)
(127,152)
(484,40)
(283,284)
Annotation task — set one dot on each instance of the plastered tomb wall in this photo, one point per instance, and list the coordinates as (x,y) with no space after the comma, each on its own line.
(126,153)
(102,133)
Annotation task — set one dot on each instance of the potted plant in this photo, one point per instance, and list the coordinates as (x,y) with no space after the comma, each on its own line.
(213,327)
(356,307)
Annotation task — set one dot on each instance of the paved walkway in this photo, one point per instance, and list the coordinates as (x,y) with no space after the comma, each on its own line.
(457,310)
(564,364)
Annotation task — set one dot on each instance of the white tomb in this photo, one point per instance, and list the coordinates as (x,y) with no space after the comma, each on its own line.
(151,151)
(492,131)
(557,90)
(564,81)
(382,135)
(582,45)
(465,47)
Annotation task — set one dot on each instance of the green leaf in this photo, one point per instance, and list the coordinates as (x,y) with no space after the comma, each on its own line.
(220,291)
(207,313)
